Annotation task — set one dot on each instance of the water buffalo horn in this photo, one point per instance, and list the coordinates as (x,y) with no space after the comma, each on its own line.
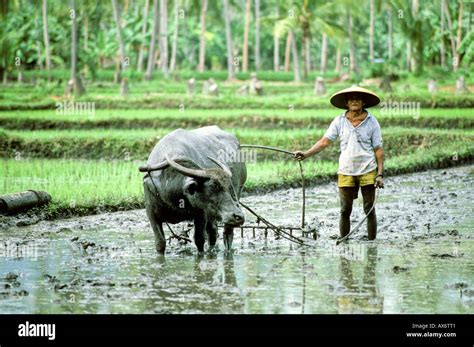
(222,166)
(154,167)
(187,171)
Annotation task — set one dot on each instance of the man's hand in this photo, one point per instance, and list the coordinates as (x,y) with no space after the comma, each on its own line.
(299,155)
(378,181)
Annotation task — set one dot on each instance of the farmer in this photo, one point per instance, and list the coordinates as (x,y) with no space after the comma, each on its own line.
(361,159)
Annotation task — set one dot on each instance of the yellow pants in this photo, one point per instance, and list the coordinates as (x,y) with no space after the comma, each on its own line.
(353,181)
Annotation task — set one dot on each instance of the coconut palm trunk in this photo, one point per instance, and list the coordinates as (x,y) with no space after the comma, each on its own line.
(164,37)
(228,36)
(257,35)
(47,51)
(175,36)
(202,38)
(155,32)
(141,52)
(245,47)
(294,53)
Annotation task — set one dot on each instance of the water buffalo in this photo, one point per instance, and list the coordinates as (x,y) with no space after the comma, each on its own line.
(187,180)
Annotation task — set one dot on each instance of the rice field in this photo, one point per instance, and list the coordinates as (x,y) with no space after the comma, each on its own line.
(88,162)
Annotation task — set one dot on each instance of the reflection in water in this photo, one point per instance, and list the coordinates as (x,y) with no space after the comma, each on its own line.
(303,266)
(207,269)
(357,298)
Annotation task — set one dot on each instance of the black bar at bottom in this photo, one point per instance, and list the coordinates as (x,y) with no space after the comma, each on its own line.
(423,329)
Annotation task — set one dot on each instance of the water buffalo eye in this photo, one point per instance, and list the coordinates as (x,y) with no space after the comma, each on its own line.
(215,185)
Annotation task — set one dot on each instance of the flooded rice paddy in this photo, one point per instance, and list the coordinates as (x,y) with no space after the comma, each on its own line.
(421,262)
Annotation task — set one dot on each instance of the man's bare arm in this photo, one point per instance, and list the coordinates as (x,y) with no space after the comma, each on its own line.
(379,156)
(317,147)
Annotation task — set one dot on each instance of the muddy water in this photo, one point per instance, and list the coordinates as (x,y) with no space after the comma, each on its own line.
(421,262)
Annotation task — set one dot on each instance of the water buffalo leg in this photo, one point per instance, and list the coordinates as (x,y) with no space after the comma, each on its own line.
(199,229)
(211,229)
(228,237)
(160,241)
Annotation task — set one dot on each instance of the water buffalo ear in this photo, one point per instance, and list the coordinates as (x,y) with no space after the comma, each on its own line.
(191,186)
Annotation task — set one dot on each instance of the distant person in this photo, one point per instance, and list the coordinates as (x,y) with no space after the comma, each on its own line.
(361,159)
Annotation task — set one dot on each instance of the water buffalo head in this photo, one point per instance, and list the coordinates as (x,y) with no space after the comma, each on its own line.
(211,191)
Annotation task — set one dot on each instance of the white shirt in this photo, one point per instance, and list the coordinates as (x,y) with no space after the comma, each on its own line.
(357,144)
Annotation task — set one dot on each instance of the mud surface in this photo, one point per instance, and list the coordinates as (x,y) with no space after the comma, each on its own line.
(421,262)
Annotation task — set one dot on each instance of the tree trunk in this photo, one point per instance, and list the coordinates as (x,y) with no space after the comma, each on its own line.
(287,52)
(459,35)
(245,48)
(164,37)
(338,61)
(390,34)
(154,34)
(46,38)
(324,49)
(352,58)
(442,48)
(228,36)
(450,29)
(86,31)
(409,60)
(418,41)
(202,38)
(371,30)
(276,47)
(257,35)
(38,38)
(296,64)
(175,36)
(306,52)
(74,40)
(141,52)
(121,43)
(75,82)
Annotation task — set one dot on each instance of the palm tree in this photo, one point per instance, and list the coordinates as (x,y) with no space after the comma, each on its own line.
(228,36)
(276,46)
(371,30)
(121,43)
(459,35)
(46,38)
(309,20)
(324,51)
(154,34)
(175,36)
(352,52)
(287,52)
(413,27)
(294,53)
(257,35)
(202,37)
(77,87)
(141,52)
(390,33)
(245,48)
(164,37)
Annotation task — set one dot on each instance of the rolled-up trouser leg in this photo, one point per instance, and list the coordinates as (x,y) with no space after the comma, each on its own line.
(346,195)
(368,194)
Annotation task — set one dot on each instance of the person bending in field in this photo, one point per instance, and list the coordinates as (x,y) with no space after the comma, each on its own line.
(362,155)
